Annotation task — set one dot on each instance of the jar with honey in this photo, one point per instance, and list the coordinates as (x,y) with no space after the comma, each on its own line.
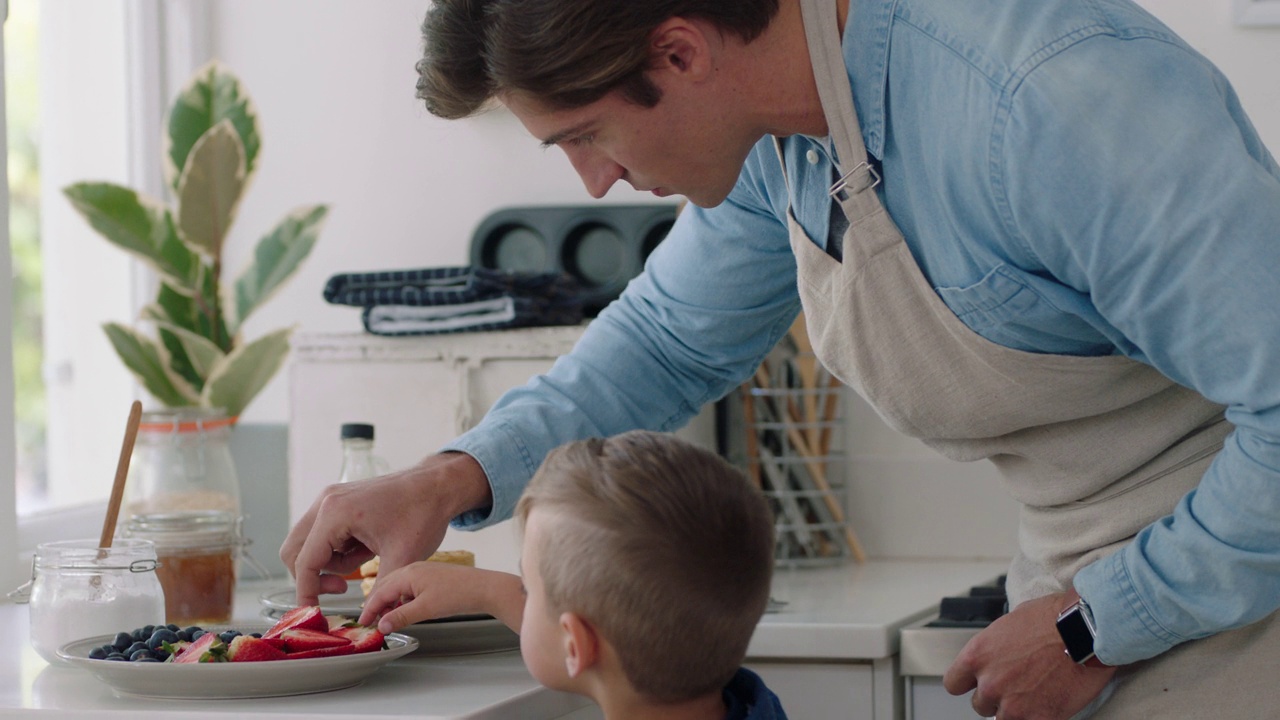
(197,552)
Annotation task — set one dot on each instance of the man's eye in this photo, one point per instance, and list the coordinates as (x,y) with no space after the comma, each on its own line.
(581,140)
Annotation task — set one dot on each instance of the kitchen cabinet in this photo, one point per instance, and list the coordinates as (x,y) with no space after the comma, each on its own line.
(419,393)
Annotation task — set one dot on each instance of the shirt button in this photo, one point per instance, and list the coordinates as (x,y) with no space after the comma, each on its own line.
(812,157)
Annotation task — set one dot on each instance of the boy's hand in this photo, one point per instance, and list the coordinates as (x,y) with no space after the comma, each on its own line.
(426,590)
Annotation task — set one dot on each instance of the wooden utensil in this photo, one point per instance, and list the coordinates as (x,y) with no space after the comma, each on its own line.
(753,452)
(806,363)
(122,470)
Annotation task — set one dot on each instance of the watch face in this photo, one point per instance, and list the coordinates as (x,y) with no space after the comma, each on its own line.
(1076,634)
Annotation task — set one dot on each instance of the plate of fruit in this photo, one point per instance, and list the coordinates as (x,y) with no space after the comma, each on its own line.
(454,635)
(303,652)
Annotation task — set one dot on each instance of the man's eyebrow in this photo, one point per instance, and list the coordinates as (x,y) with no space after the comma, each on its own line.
(559,137)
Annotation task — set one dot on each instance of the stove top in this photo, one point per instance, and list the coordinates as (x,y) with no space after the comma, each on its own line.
(978,609)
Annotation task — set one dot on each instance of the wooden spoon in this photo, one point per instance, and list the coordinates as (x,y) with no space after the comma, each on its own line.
(122,470)
(806,363)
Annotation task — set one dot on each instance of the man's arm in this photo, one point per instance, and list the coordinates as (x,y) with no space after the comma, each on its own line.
(714,298)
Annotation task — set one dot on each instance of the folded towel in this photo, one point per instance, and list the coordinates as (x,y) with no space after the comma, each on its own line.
(455,299)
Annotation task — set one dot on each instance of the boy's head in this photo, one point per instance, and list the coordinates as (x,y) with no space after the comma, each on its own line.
(565,53)
(661,546)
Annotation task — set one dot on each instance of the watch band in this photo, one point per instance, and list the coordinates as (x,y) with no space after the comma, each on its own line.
(1075,626)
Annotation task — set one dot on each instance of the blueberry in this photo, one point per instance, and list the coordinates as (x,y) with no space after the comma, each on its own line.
(147,630)
(137,634)
(122,641)
(229,635)
(173,627)
(161,636)
(143,653)
(97,654)
(135,647)
(114,656)
(197,635)
(256,635)
(160,655)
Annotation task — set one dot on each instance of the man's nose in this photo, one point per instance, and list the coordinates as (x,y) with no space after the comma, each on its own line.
(598,172)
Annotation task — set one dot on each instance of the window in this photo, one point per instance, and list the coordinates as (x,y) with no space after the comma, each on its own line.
(72,392)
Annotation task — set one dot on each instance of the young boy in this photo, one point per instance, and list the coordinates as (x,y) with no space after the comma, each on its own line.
(646,563)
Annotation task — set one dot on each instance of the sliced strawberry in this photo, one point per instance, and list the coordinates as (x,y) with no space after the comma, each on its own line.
(307,617)
(275,642)
(343,649)
(246,648)
(337,621)
(364,638)
(297,640)
(209,648)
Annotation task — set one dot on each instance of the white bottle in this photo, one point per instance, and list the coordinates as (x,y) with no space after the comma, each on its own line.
(358,460)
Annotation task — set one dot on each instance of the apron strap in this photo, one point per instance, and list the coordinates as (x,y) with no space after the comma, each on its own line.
(822,34)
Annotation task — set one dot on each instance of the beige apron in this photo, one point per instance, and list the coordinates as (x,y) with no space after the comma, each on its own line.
(1094,448)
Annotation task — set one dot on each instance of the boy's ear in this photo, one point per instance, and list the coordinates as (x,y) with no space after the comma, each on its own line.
(581,644)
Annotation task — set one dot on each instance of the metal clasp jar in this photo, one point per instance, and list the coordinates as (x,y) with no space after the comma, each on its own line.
(197,551)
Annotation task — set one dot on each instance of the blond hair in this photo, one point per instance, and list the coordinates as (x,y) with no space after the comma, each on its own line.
(663,546)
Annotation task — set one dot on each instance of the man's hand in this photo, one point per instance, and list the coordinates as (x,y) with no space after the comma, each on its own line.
(401,517)
(426,590)
(1019,669)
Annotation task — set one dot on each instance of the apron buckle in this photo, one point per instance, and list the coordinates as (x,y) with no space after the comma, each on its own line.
(843,184)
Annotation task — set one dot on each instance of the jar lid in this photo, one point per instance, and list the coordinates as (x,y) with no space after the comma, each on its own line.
(357,430)
(190,529)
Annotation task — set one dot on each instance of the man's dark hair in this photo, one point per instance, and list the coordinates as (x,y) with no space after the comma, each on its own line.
(563,53)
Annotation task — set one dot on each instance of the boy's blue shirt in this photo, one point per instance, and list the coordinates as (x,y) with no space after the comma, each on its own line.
(748,699)
(1073,179)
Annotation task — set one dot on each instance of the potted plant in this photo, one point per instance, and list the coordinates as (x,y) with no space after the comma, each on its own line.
(197,356)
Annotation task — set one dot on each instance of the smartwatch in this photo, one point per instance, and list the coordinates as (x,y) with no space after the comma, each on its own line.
(1075,625)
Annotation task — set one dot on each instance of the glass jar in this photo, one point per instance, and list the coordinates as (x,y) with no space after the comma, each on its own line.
(197,551)
(182,461)
(358,460)
(79,590)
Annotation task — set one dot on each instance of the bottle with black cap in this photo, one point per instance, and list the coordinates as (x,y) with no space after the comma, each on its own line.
(358,460)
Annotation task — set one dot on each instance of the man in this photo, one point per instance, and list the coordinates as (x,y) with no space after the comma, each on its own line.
(1051,243)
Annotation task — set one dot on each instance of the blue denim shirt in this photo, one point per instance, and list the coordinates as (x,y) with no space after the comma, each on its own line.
(1072,178)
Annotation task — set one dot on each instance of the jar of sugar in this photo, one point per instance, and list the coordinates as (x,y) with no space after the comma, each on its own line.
(79,590)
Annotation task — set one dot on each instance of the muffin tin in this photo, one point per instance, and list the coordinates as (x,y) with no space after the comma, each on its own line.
(601,246)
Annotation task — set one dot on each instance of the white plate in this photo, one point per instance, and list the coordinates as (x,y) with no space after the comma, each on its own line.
(214,681)
(457,635)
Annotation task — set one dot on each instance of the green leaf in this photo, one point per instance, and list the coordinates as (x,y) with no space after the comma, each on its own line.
(179,362)
(185,311)
(137,224)
(209,188)
(149,363)
(212,95)
(243,373)
(200,351)
(276,258)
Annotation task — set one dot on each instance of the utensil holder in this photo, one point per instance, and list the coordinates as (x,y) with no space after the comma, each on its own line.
(792,419)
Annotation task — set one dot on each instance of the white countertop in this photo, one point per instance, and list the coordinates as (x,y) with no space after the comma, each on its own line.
(853,612)
(849,612)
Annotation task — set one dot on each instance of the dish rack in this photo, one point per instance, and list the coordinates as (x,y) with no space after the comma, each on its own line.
(792,415)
